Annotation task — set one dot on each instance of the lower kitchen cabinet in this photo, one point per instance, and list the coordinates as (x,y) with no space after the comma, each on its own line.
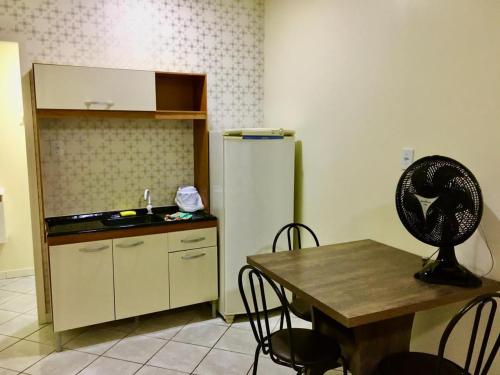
(82,284)
(193,276)
(141,275)
(100,281)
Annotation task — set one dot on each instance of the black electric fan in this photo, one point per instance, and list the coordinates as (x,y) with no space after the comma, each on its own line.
(439,202)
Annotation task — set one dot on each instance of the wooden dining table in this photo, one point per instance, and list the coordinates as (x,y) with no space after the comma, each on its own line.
(363,293)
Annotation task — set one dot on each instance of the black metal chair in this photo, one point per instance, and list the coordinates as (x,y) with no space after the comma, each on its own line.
(413,363)
(298,306)
(298,348)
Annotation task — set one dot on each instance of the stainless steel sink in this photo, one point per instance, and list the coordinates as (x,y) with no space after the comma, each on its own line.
(119,221)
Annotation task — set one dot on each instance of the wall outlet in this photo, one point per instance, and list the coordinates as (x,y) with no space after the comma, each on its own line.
(407,155)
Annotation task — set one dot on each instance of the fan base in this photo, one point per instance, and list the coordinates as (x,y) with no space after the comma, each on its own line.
(438,272)
(446,270)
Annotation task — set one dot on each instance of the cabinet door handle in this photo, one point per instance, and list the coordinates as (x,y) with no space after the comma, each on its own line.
(107,103)
(125,246)
(93,249)
(191,240)
(187,257)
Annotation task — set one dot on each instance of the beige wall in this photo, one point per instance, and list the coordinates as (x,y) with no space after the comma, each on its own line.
(16,255)
(359,81)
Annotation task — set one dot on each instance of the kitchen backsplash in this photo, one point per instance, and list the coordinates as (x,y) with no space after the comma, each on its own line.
(95,165)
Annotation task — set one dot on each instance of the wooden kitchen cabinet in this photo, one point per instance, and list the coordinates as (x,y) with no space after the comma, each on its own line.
(71,92)
(141,275)
(193,276)
(82,284)
(100,281)
(67,87)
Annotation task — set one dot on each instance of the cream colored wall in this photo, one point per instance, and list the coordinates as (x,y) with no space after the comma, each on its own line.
(16,255)
(359,81)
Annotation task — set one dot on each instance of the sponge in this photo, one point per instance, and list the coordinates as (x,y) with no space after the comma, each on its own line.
(128,213)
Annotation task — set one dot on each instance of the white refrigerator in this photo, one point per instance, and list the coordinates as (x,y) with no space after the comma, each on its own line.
(252,195)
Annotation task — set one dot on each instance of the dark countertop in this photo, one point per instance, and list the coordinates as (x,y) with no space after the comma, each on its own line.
(94,222)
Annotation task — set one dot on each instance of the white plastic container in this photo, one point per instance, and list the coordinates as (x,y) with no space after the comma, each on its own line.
(188,199)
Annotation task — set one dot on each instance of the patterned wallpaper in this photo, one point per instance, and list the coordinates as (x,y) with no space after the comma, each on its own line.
(223,38)
(92,165)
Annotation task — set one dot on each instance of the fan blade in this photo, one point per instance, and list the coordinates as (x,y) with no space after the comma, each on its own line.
(443,176)
(421,179)
(412,205)
(451,227)
(453,201)
(433,218)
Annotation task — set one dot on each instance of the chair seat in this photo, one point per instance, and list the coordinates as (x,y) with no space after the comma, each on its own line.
(414,363)
(301,309)
(310,347)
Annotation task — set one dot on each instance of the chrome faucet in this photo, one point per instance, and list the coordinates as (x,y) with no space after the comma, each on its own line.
(147,197)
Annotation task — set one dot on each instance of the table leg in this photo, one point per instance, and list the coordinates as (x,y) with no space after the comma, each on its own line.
(364,346)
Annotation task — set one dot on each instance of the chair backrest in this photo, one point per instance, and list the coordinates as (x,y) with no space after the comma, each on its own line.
(258,312)
(290,228)
(479,302)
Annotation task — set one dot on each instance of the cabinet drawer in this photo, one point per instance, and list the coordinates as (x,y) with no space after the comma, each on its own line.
(141,275)
(193,276)
(192,239)
(82,284)
(78,87)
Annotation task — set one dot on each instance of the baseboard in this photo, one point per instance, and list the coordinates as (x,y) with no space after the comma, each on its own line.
(17,273)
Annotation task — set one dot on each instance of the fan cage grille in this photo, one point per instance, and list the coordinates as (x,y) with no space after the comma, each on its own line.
(439,226)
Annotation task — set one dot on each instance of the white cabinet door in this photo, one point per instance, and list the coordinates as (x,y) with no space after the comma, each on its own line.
(193,276)
(141,275)
(82,284)
(192,239)
(78,87)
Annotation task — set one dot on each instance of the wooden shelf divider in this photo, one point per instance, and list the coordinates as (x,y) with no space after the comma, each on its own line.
(153,115)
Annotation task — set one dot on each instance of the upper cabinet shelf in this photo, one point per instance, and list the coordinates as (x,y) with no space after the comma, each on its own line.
(70,91)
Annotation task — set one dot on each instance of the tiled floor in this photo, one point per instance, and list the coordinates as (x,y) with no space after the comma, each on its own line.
(182,341)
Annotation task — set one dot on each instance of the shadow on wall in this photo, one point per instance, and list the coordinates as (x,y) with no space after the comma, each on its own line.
(490,233)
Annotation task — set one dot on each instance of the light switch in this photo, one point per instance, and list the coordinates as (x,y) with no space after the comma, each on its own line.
(407,157)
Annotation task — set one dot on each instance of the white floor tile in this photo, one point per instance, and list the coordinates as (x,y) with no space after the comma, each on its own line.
(238,340)
(23,354)
(4,282)
(21,303)
(110,366)
(223,362)
(21,285)
(20,326)
(67,362)
(124,325)
(164,327)
(150,370)
(136,348)
(32,312)
(7,315)
(46,335)
(300,323)
(241,322)
(179,356)
(95,340)
(6,295)
(203,313)
(6,341)
(4,371)
(200,334)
